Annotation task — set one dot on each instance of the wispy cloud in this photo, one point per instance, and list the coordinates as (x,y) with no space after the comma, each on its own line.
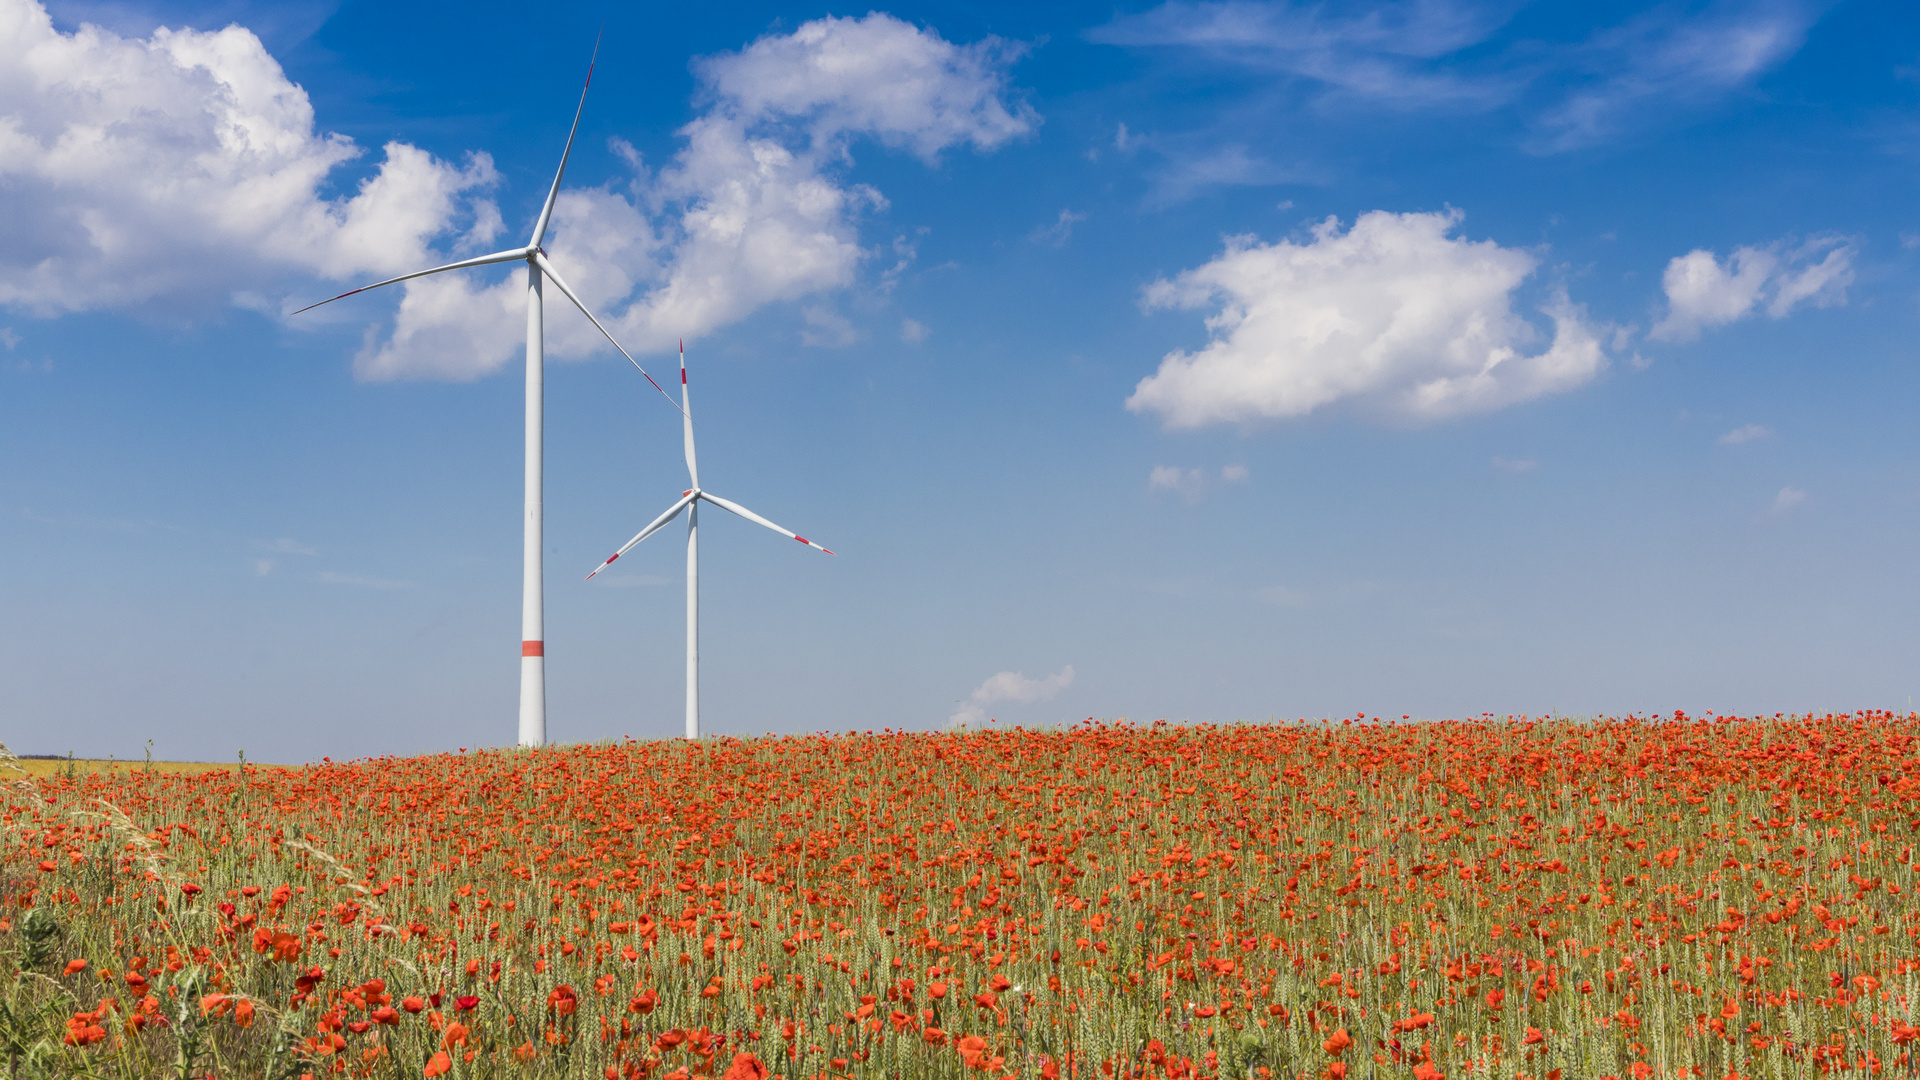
(826,328)
(1383,52)
(1009,686)
(1668,62)
(1189,165)
(1787,499)
(913,331)
(1057,234)
(1192,485)
(1745,434)
(1516,465)
(1656,68)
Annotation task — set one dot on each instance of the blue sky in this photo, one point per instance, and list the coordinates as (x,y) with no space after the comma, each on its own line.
(1198,361)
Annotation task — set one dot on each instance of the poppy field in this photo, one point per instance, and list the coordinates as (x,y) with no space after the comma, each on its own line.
(1546,900)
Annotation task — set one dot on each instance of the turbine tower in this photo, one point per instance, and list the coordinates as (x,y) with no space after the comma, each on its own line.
(533,663)
(690,501)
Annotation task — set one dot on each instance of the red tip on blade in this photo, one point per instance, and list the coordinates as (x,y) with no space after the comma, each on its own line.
(802,539)
(827,550)
(683,376)
(610,559)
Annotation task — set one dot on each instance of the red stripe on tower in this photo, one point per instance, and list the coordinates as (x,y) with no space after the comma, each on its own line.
(533,648)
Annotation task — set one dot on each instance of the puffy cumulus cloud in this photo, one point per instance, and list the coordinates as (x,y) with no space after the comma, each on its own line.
(461,325)
(1703,292)
(184,170)
(877,75)
(1009,686)
(1395,316)
(170,172)
(752,210)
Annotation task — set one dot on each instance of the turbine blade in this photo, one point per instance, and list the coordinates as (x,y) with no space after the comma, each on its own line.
(484,260)
(553,193)
(672,512)
(686,414)
(751,516)
(546,267)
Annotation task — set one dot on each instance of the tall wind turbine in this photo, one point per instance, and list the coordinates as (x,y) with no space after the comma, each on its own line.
(533,650)
(690,501)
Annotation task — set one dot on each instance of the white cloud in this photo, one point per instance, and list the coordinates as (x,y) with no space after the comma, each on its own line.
(751,210)
(913,331)
(1665,61)
(907,248)
(826,328)
(9,337)
(262,567)
(1745,434)
(1057,234)
(1191,485)
(1009,686)
(1436,55)
(905,86)
(1396,316)
(1365,50)
(1702,292)
(164,174)
(1191,165)
(184,171)
(1787,499)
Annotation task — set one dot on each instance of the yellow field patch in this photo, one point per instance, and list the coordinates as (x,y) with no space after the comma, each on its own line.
(38,767)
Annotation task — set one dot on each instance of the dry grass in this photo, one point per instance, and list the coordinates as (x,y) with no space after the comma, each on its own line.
(40,768)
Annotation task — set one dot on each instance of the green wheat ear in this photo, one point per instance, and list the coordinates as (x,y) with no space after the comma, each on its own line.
(40,932)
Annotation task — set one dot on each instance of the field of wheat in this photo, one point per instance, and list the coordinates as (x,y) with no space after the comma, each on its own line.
(1551,900)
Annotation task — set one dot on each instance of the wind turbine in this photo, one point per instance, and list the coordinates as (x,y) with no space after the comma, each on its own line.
(690,501)
(533,650)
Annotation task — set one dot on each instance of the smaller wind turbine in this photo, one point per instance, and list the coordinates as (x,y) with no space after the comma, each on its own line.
(690,501)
